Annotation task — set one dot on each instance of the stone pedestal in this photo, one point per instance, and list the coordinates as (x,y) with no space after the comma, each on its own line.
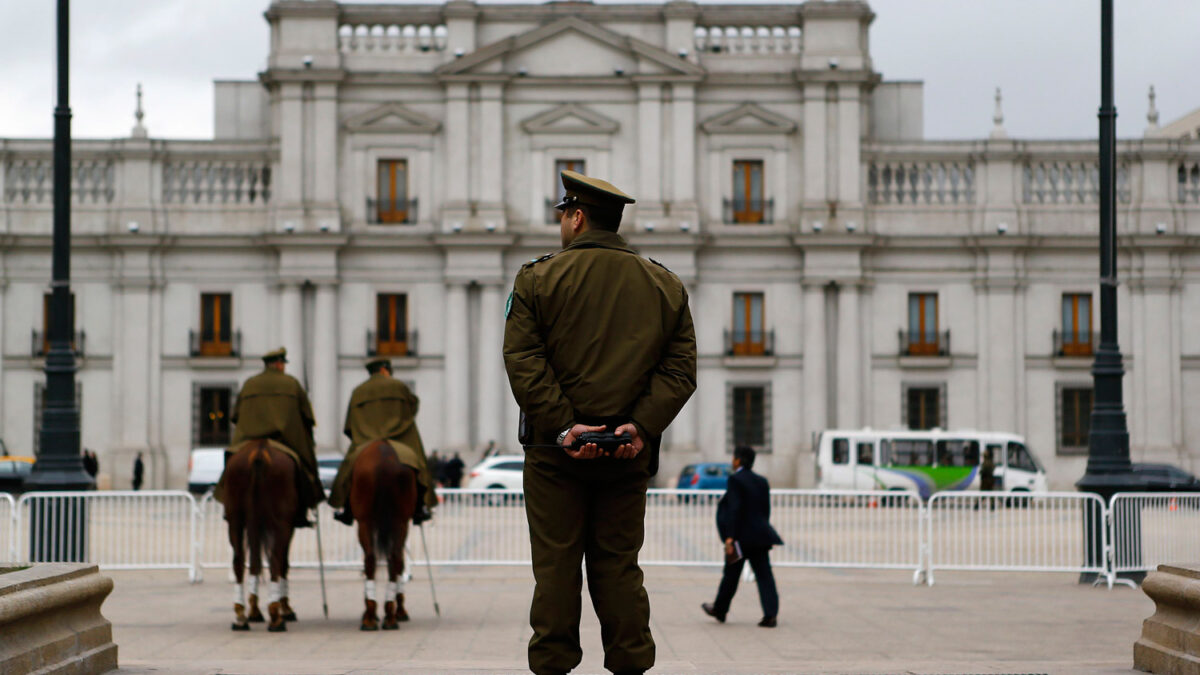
(50,620)
(1170,642)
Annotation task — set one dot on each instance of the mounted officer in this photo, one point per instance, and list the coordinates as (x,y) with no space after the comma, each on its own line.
(596,339)
(383,408)
(274,405)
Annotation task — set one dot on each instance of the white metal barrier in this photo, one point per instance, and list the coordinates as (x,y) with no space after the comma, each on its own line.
(149,529)
(1149,529)
(8,527)
(1017,532)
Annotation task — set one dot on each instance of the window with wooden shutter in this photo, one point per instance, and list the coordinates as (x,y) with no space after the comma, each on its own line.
(749,334)
(748,205)
(214,405)
(392,204)
(1074,419)
(391,318)
(1077,324)
(924,407)
(216,324)
(923,324)
(748,410)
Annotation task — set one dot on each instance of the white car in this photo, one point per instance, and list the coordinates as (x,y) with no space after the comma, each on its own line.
(205,466)
(501,472)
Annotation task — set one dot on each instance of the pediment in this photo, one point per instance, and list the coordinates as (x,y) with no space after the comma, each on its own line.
(392,118)
(570,118)
(748,118)
(556,49)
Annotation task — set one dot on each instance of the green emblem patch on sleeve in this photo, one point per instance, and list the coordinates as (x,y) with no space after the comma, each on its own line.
(508,305)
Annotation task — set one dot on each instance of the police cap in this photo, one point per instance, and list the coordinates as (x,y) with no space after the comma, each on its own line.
(275,355)
(376,361)
(581,189)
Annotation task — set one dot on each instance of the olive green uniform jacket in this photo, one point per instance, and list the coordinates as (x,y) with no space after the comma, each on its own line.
(274,405)
(382,408)
(596,333)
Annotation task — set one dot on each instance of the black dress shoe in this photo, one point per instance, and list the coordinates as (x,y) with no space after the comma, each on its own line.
(712,611)
(767,622)
(344,516)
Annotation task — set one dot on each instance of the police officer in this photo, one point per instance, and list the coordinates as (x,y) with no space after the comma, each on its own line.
(383,408)
(596,338)
(274,405)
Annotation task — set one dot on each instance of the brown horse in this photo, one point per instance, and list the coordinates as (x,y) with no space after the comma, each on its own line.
(383,498)
(260,502)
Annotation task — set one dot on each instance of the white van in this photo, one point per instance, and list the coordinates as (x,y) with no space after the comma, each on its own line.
(205,466)
(924,461)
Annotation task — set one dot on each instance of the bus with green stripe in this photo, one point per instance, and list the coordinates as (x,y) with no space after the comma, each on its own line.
(925,462)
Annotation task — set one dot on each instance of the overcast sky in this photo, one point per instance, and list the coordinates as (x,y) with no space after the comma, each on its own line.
(1044,54)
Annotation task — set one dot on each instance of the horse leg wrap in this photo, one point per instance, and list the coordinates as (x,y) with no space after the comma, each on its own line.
(369,589)
(283,588)
(392,589)
(275,593)
(253,584)
(239,595)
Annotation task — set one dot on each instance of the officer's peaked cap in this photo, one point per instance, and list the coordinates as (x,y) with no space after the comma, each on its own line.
(275,355)
(377,360)
(581,189)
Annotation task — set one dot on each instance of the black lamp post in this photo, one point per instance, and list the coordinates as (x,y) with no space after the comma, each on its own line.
(58,529)
(1108,469)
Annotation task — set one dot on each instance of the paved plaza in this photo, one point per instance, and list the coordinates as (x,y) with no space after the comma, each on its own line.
(831,621)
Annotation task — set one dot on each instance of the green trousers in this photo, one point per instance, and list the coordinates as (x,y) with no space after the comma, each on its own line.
(593,511)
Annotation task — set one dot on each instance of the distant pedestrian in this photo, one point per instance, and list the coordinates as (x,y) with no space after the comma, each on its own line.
(743,520)
(454,471)
(987,477)
(437,468)
(90,464)
(139,472)
(489,450)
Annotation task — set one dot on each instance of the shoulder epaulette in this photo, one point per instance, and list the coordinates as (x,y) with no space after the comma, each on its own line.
(659,264)
(538,260)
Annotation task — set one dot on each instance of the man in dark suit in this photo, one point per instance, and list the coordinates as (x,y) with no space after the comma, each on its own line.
(743,516)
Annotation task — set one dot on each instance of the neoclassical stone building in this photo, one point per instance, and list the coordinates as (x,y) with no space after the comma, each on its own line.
(378,186)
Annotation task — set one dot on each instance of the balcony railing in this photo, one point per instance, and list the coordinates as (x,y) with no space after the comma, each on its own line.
(1074,343)
(749,343)
(927,343)
(198,347)
(388,212)
(752,212)
(405,347)
(938,182)
(40,343)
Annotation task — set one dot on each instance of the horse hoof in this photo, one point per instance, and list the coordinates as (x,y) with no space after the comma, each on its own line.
(403,617)
(391,626)
(256,617)
(368,626)
(290,616)
(282,627)
(239,626)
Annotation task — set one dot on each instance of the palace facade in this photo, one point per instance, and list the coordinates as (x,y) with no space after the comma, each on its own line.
(377,187)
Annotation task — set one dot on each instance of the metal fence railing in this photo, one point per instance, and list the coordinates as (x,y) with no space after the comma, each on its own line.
(1149,529)
(1016,532)
(8,527)
(968,531)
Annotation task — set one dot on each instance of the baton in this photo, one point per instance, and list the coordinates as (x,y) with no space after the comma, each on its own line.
(321,565)
(429,566)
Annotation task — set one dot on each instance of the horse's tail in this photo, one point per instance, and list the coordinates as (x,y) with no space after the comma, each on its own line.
(256,522)
(387,488)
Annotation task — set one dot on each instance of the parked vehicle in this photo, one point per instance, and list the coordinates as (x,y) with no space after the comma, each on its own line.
(499,472)
(327,468)
(205,466)
(1164,478)
(13,471)
(924,461)
(704,476)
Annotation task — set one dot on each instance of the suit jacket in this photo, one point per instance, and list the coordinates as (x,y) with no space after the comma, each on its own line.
(744,512)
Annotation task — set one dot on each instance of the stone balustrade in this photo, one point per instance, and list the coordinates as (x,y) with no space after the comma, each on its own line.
(1068,182)
(770,40)
(209,181)
(30,180)
(391,38)
(944,181)
(1189,182)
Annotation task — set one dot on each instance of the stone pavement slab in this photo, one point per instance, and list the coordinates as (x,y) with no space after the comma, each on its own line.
(831,621)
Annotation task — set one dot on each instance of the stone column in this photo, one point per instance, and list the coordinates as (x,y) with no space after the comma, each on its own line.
(455,432)
(289,188)
(683,126)
(458,138)
(649,150)
(291,322)
(325,392)
(815,186)
(324,156)
(849,356)
(814,377)
(849,156)
(492,387)
(491,143)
